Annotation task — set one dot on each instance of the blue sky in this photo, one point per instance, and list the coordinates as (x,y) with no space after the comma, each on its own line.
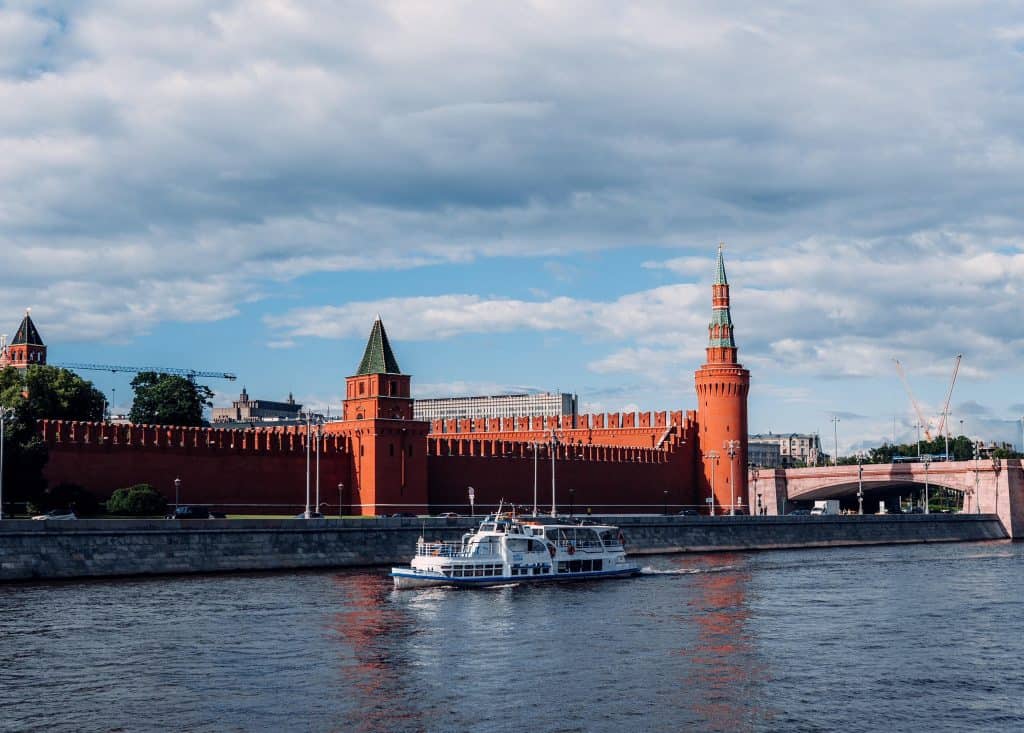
(530,194)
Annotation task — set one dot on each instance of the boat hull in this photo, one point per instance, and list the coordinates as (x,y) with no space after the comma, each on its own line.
(406,578)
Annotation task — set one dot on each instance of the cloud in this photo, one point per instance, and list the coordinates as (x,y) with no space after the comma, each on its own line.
(262,141)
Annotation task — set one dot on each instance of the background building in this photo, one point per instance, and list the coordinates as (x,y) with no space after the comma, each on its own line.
(764,453)
(490,406)
(794,448)
(246,411)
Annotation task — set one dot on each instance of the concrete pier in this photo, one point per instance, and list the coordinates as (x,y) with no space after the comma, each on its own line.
(97,548)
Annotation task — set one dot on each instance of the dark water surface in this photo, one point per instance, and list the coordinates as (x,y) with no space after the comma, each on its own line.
(908,638)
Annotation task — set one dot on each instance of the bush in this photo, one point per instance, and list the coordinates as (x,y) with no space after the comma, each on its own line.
(138,500)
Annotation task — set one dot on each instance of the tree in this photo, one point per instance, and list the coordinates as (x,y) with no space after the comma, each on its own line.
(37,393)
(165,399)
(138,500)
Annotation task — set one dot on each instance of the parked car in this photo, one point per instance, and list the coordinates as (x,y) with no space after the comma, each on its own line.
(448,515)
(800,513)
(689,513)
(192,512)
(55,514)
(405,514)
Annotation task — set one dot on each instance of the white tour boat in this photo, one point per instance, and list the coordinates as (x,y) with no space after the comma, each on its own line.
(527,549)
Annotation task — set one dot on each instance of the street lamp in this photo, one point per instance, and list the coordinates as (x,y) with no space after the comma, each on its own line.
(319,440)
(664,508)
(6,413)
(927,463)
(731,447)
(177,492)
(835,430)
(755,473)
(554,449)
(536,458)
(712,456)
(572,502)
(309,425)
(341,488)
(472,499)
(860,483)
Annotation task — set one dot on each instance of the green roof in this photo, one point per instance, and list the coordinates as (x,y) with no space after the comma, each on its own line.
(720,278)
(27,333)
(378,357)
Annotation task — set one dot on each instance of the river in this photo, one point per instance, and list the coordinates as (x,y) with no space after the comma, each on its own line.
(896,638)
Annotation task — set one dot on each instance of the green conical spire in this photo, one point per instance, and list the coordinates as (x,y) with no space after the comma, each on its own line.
(378,357)
(720,278)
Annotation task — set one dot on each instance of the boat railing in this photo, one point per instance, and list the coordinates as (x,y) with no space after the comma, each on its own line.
(439,549)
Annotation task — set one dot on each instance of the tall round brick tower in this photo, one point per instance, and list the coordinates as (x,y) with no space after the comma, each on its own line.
(722,387)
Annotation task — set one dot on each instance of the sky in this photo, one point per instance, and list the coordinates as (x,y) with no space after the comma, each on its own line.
(531,195)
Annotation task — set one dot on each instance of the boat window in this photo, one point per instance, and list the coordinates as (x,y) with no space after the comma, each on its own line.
(598,565)
(517,545)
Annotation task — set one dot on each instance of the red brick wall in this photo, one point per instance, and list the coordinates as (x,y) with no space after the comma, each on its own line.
(244,471)
(603,478)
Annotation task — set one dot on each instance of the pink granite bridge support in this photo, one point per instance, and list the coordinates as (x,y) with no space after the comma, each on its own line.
(989,487)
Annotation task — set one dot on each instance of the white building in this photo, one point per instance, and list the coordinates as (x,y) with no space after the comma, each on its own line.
(490,406)
(794,448)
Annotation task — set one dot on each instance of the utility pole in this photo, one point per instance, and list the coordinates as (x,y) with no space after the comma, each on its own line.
(835,431)
(927,463)
(319,439)
(309,424)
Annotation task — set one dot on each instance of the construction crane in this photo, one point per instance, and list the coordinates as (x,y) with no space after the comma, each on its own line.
(949,395)
(913,400)
(190,373)
(926,424)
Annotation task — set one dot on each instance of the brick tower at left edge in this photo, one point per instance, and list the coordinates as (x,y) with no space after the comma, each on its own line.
(26,348)
(389,461)
(722,388)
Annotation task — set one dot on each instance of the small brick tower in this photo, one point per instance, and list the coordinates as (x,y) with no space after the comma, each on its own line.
(388,447)
(722,388)
(26,348)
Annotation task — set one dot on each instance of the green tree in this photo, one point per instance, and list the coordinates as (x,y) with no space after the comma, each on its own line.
(165,399)
(36,393)
(138,500)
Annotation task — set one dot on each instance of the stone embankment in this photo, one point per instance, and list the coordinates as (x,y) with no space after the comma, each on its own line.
(98,548)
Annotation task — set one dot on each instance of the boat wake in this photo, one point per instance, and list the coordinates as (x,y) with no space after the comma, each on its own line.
(686,571)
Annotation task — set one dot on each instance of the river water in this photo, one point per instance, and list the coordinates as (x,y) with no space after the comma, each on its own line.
(902,638)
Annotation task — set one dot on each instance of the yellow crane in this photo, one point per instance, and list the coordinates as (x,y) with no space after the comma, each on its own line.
(927,424)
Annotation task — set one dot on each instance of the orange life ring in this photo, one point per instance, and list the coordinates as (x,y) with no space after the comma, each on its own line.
(571,550)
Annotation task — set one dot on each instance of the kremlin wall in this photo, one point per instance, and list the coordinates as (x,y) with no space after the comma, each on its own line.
(379,460)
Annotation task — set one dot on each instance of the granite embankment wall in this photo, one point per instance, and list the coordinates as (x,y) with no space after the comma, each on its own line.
(84,548)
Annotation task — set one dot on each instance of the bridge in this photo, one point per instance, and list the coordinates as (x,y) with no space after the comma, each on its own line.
(987,486)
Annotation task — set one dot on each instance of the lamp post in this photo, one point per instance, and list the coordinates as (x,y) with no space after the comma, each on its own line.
(536,457)
(977,478)
(927,463)
(309,425)
(712,456)
(319,440)
(730,448)
(664,507)
(554,449)
(177,492)
(472,499)
(572,502)
(6,413)
(341,488)
(755,473)
(860,483)
(835,431)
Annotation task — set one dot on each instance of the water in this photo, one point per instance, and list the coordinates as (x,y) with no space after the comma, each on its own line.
(910,638)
